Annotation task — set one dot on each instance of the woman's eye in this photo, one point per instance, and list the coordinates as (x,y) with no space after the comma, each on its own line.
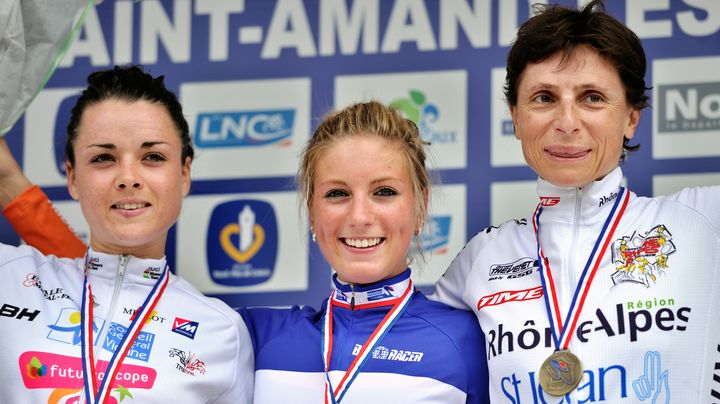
(154,157)
(543,98)
(385,192)
(594,98)
(102,158)
(335,193)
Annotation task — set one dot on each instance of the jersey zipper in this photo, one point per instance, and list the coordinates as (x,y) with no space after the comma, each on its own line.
(574,244)
(352,296)
(113,303)
(572,253)
(106,326)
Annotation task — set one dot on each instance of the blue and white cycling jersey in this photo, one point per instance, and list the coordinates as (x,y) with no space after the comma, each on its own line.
(433,353)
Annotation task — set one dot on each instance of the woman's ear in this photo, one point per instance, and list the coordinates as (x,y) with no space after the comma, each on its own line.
(632,124)
(72,187)
(186,176)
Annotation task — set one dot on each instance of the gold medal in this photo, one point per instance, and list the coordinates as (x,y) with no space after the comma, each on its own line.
(560,373)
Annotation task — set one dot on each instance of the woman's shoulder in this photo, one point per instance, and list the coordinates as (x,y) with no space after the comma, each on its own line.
(31,258)
(270,328)
(489,239)
(280,317)
(186,295)
(449,320)
(455,332)
(702,201)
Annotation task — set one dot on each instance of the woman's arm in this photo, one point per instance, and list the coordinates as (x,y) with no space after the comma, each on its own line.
(12,180)
(28,209)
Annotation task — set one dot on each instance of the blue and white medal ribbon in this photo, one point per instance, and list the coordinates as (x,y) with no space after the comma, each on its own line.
(93,393)
(335,395)
(562,331)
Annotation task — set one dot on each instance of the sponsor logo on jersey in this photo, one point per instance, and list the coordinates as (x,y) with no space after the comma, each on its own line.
(151,273)
(389,354)
(242,242)
(187,362)
(688,107)
(549,200)
(33,280)
(93,264)
(244,128)
(44,370)
(67,329)
(152,317)
(416,108)
(507,296)
(141,347)
(185,327)
(35,369)
(606,199)
(67,326)
(715,392)
(340,296)
(630,325)
(516,269)
(602,382)
(653,383)
(642,258)
(385,292)
(19,313)
(436,234)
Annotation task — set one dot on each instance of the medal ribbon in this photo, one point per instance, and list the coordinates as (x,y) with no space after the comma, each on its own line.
(562,331)
(334,396)
(95,394)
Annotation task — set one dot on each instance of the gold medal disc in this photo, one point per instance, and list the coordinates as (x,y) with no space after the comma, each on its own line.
(560,373)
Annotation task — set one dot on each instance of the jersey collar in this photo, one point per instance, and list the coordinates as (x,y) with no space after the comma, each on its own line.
(382,293)
(137,270)
(592,201)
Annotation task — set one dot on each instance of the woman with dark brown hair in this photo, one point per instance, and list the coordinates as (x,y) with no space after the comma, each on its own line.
(619,304)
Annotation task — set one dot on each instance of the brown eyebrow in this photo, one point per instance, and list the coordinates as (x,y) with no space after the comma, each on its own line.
(584,87)
(147,145)
(110,146)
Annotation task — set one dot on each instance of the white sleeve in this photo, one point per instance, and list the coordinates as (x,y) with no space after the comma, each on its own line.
(450,288)
(704,200)
(241,391)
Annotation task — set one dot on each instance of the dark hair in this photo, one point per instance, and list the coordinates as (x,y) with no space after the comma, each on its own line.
(127,83)
(560,29)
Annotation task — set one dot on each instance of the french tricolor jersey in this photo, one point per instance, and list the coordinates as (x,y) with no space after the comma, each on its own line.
(647,328)
(432,354)
(191,349)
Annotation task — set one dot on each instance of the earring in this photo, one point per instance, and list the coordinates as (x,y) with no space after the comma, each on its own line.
(314,238)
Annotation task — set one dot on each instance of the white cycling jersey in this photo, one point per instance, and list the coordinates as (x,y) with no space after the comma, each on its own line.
(648,330)
(192,349)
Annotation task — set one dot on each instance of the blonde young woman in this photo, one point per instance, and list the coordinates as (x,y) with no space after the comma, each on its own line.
(365,185)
